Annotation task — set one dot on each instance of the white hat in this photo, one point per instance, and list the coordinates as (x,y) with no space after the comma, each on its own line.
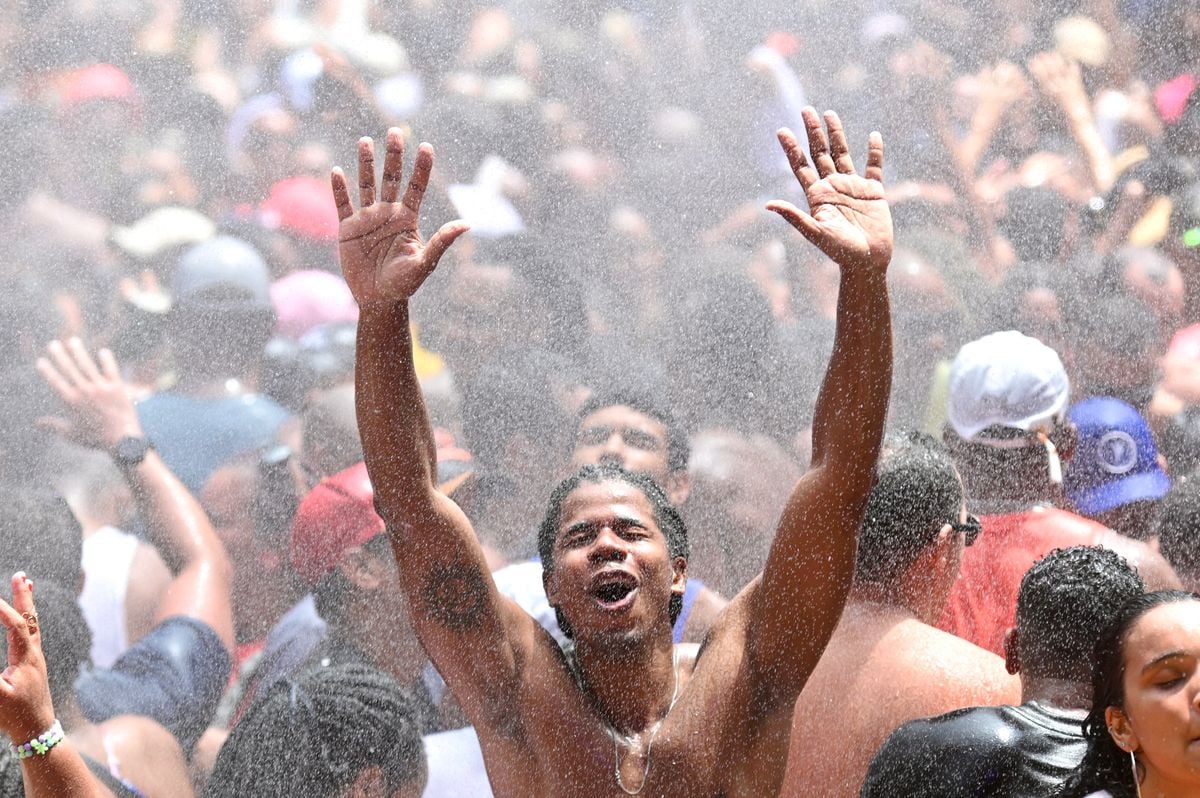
(1006,379)
(161,230)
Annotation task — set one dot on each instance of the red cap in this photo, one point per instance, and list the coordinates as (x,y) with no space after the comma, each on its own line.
(97,82)
(304,206)
(1171,98)
(336,515)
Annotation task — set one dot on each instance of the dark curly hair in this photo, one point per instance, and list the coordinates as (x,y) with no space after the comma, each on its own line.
(314,735)
(1104,765)
(916,492)
(1065,602)
(665,515)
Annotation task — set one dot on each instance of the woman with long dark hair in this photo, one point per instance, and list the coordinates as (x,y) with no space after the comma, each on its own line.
(1144,727)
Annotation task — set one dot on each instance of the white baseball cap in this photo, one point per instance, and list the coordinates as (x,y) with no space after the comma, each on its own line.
(1006,379)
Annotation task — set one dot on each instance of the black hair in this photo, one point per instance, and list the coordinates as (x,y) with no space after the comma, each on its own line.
(665,515)
(1121,324)
(66,638)
(216,341)
(1105,766)
(314,735)
(40,535)
(1034,222)
(1177,525)
(1006,308)
(678,447)
(916,492)
(1065,602)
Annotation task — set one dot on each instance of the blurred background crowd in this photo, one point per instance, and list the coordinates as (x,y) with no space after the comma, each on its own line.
(165,195)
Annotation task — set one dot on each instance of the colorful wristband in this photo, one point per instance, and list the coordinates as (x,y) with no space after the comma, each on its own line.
(40,745)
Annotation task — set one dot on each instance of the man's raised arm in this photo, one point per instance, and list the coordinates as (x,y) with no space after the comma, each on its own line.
(811,563)
(455,608)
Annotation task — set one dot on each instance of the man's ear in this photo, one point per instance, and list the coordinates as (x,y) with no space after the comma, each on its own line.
(1012,652)
(1065,437)
(1121,729)
(368,784)
(362,569)
(678,487)
(679,582)
(549,585)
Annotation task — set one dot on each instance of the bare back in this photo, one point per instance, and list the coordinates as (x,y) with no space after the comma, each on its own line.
(881,669)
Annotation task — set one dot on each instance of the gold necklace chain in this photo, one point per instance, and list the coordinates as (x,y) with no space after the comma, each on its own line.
(650,742)
(614,734)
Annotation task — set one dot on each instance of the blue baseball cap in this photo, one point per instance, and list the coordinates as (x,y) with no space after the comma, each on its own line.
(1115,462)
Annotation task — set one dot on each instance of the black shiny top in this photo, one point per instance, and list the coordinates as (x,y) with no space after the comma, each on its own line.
(1024,751)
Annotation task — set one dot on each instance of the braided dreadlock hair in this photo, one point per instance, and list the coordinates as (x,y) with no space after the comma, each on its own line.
(314,735)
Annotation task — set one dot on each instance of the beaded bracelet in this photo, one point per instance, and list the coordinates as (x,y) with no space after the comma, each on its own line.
(41,745)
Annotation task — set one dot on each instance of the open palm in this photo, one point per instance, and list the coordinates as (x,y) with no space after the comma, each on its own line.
(383,257)
(848,217)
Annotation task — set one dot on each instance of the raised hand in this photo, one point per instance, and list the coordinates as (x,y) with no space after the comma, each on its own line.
(383,257)
(850,221)
(1059,78)
(99,411)
(25,707)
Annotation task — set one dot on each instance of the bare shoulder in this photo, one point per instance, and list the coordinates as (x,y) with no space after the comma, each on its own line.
(1155,571)
(147,755)
(975,674)
(706,610)
(150,737)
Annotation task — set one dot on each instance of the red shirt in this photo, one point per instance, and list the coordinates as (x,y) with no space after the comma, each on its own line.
(983,602)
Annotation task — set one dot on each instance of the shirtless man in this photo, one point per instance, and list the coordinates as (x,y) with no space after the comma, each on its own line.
(629,713)
(886,663)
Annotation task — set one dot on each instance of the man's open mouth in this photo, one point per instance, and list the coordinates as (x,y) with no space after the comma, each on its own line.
(614,590)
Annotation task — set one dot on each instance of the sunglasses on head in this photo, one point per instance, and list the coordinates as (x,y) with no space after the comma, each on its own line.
(970,529)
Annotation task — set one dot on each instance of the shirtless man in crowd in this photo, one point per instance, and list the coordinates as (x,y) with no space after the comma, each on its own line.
(624,711)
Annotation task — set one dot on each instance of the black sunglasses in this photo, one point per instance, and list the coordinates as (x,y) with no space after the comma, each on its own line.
(970,529)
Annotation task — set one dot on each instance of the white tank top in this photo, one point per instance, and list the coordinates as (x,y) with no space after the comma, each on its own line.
(107,560)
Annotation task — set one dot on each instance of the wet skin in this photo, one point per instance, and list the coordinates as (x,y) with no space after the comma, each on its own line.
(1162,697)
(718,740)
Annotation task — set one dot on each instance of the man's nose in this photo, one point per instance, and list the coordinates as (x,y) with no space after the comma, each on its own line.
(614,449)
(608,546)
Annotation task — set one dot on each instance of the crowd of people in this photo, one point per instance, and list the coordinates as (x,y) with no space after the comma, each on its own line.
(623,441)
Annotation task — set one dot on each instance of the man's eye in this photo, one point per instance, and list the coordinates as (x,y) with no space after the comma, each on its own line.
(640,440)
(593,436)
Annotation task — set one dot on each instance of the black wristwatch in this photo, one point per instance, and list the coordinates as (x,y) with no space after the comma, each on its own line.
(131,451)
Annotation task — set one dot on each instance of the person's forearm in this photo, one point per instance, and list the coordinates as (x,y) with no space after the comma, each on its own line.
(1091,143)
(175,521)
(983,126)
(397,440)
(187,542)
(61,773)
(852,406)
